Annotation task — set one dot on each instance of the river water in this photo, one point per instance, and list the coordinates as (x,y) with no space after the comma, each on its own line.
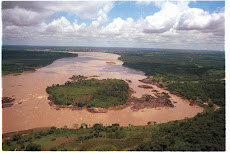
(31,108)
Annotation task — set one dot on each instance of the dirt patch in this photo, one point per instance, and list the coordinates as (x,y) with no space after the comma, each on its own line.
(94,76)
(59,107)
(16,74)
(163,94)
(119,107)
(216,107)
(145,86)
(148,81)
(110,62)
(78,77)
(97,110)
(7,102)
(192,102)
(155,91)
(149,101)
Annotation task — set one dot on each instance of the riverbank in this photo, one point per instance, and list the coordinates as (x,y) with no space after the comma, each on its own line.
(18,61)
(151,137)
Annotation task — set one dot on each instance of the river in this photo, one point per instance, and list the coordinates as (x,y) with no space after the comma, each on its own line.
(31,108)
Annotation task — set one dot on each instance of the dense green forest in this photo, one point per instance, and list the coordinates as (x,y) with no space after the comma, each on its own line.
(205,132)
(177,65)
(90,93)
(211,91)
(17,61)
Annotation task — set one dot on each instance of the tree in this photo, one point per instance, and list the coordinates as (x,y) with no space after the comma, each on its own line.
(84,125)
(33,147)
(210,103)
(17,137)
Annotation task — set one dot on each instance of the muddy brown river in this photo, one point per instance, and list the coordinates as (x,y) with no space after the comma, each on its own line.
(31,108)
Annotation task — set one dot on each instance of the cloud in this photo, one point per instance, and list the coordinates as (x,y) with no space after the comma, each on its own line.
(179,16)
(141,2)
(102,17)
(174,26)
(23,17)
(119,27)
(197,19)
(32,13)
(59,25)
(164,20)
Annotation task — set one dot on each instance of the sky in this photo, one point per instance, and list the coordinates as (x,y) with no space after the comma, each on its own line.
(198,25)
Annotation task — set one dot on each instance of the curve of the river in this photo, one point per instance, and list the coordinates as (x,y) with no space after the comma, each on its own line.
(31,108)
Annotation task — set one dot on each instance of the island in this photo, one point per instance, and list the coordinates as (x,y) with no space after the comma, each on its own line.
(90,93)
(100,95)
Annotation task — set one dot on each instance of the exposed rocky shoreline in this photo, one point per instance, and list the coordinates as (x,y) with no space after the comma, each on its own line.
(7,102)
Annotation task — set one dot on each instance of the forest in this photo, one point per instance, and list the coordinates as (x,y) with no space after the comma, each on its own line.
(18,61)
(177,65)
(90,93)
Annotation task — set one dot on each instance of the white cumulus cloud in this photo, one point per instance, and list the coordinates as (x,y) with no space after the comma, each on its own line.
(176,25)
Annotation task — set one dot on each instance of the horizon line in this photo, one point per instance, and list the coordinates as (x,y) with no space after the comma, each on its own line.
(112,47)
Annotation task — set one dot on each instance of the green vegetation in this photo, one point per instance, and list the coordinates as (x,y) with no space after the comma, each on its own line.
(177,65)
(90,93)
(212,91)
(17,61)
(196,76)
(205,132)
(193,75)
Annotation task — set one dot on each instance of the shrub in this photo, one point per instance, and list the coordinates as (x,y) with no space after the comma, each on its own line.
(17,137)
(210,104)
(8,142)
(37,136)
(33,147)
(52,130)
(26,139)
(116,124)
